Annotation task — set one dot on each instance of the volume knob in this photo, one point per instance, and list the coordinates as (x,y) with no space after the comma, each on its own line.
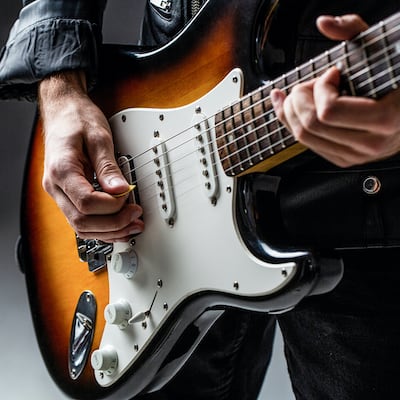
(105,360)
(125,263)
(118,313)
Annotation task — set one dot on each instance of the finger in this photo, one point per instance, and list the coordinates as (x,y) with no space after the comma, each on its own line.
(85,198)
(100,149)
(338,153)
(341,27)
(277,99)
(351,112)
(109,227)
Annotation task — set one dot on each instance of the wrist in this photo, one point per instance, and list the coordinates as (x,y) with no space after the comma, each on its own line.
(58,87)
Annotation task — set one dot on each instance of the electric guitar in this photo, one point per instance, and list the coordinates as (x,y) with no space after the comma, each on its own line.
(192,123)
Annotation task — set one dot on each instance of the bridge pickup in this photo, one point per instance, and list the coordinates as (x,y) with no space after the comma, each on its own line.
(163,181)
(205,152)
(125,163)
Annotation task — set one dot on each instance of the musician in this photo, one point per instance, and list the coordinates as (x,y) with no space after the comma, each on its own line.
(340,345)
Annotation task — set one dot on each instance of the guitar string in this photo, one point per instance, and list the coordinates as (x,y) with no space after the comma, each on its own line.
(275,131)
(275,121)
(313,73)
(365,45)
(366,70)
(276,143)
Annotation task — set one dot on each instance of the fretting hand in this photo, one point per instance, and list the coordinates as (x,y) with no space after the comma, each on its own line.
(345,130)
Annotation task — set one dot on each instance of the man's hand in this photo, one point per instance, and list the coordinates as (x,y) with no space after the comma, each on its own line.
(78,143)
(343,129)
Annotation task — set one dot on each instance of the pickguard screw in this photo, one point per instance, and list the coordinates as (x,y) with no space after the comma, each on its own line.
(236,285)
(123,118)
(160,283)
(284,273)
(165,306)
(161,117)
(229,189)
(136,347)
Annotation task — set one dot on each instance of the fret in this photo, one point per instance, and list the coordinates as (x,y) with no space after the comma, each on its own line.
(223,127)
(248,132)
(388,59)
(264,126)
(392,43)
(240,135)
(355,60)
(254,118)
(280,83)
(375,64)
(321,64)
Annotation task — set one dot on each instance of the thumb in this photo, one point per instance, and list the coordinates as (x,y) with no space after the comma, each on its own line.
(342,27)
(108,173)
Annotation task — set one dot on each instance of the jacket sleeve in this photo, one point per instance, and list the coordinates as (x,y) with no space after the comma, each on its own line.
(50,36)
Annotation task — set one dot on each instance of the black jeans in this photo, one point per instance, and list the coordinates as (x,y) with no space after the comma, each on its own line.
(344,345)
(229,364)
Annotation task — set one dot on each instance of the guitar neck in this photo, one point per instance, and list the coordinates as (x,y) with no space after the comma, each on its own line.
(248,131)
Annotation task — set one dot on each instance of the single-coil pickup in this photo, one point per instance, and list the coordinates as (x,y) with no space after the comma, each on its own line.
(162,175)
(205,153)
(127,167)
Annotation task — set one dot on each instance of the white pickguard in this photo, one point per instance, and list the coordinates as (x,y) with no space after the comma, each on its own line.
(201,250)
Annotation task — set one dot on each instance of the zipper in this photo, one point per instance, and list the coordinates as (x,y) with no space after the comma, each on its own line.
(195,6)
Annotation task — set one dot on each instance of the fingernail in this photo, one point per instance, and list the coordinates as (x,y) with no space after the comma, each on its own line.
(116,181)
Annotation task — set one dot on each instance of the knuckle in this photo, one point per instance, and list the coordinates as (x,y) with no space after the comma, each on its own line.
(106,167)
(300,133)
(326,113)
(83,204)
(310,121)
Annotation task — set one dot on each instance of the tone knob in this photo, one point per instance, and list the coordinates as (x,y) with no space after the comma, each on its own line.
(105,360)
(125,263)
(118,313)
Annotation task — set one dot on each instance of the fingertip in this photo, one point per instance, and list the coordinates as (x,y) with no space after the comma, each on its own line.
(116,185)
(276,97)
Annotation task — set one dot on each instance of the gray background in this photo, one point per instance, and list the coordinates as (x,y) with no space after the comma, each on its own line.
(23,375)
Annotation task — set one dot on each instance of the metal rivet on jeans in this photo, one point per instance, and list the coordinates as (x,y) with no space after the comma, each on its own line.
(371,185)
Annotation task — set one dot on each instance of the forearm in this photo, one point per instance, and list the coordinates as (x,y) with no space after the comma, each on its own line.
(56,88)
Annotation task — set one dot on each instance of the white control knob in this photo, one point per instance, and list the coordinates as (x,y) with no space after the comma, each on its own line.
(118,313)
(105,360)
(125,263)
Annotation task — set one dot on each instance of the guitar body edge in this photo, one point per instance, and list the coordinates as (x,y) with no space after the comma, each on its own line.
(220,39)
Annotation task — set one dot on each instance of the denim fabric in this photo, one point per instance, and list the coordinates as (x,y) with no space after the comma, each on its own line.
(229,364)
(345,345)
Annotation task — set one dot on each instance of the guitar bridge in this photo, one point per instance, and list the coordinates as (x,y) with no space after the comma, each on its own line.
(93,252)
